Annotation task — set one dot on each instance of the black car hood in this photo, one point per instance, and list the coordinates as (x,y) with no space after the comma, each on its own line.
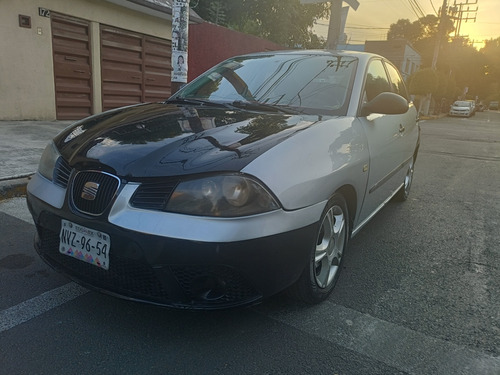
(153,140)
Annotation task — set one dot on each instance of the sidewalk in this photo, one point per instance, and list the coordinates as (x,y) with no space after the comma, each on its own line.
(21,145)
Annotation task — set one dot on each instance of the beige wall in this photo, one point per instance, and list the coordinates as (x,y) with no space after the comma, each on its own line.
(26,70)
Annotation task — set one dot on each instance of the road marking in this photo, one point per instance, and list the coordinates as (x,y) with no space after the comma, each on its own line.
(27,310)
(407,350)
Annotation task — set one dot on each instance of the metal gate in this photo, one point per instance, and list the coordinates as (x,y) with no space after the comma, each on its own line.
(135,68)
(72,67)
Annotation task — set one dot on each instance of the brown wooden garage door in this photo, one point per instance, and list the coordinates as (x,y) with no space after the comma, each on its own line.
(135,68)
(72,69)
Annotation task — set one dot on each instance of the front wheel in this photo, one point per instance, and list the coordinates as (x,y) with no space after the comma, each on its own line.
(325,262)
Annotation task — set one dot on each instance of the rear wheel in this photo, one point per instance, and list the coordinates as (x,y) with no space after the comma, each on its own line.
(404,191)
(325,262)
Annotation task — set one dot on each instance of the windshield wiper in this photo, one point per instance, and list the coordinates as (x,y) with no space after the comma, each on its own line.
(259,106)
(194,101)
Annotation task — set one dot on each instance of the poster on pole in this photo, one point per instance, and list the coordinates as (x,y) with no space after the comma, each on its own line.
(180,22)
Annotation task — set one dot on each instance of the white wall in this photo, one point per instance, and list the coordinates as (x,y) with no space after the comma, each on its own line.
(26,70)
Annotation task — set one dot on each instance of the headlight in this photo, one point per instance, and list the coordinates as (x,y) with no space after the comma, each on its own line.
(48,161)
(224,196)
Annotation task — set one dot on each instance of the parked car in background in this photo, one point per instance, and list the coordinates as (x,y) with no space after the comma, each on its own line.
(462,108)
(473,106)
(493,105)
(248,181)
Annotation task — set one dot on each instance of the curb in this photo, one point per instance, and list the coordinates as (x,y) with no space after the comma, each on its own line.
(15,187)
(432,117)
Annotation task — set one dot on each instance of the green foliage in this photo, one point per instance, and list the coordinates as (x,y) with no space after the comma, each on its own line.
(491,70)
(459,65)
(404,29)
(423,82)
(421,33)
(286,22)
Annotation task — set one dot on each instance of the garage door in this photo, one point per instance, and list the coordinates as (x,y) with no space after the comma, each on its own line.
(135,68)
(72,70)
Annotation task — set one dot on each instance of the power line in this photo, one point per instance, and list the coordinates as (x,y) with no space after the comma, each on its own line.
(367,28)
(434,8)
(358,27)
(416,8)
(419,8)
(412,8)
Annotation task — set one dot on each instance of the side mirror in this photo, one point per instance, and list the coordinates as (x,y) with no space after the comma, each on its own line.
(386,103)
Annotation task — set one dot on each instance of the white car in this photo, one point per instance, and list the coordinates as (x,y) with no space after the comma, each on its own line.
(461,108)
(248,181)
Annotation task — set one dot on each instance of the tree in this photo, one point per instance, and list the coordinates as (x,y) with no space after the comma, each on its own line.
(424,82)
(421,33)
(286,22)
(491,51)
(461,68)
(467,65)
(404,29)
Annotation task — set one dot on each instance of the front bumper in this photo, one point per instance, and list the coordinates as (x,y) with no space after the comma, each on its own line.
(177,272)
(459,113)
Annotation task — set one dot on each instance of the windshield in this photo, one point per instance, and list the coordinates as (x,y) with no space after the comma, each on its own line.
(311,83)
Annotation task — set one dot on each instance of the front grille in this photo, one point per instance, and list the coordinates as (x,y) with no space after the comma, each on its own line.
(215,283)
(153,195)
(131,277)
(62,172)
(186,286)
(93,199)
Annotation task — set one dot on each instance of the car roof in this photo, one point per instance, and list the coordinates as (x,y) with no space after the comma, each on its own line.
(362,56)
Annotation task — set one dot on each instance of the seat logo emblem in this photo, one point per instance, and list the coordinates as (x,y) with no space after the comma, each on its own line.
(89,191)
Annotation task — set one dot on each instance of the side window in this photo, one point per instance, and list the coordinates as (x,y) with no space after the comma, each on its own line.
(397,84)
(376,80)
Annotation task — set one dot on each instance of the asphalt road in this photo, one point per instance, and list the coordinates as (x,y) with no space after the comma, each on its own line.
(419,294)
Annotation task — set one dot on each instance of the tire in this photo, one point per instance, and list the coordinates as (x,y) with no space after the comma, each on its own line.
(325,261)
(403,193)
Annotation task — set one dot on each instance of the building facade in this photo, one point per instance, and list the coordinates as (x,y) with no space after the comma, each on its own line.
(65,59)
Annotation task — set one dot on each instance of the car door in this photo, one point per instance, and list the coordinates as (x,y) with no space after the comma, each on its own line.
(409,132)
(386,142)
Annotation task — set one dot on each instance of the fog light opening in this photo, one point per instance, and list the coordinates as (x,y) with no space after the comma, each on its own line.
(208,288)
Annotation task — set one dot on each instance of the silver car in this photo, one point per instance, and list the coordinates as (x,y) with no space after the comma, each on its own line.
(248,181)
(461,108)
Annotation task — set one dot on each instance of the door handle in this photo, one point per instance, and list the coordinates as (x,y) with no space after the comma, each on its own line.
(401,128)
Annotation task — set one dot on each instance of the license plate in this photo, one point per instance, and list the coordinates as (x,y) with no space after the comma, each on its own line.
(84,244)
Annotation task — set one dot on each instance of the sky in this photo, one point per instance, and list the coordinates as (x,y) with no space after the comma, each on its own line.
(372,19)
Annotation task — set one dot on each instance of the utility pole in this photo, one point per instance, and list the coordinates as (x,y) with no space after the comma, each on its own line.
(459,13)
(441,34)
(334,25)
(180,25)
(335,28)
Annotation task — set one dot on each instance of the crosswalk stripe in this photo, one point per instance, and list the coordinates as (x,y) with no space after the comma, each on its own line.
(392,344)
(29,309)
